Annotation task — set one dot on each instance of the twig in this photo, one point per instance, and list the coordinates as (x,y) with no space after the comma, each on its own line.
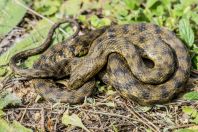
(24,112)
(55,125)
(23,115)
(181,102)
(110,114)
(24,109)
(143,119)
(182,126)
(42,120)
(122,116)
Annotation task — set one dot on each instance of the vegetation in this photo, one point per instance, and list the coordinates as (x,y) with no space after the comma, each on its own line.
(24,24)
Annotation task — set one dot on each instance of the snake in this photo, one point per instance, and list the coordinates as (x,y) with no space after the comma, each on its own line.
(142,61)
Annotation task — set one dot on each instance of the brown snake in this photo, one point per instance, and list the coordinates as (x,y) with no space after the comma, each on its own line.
(116,54)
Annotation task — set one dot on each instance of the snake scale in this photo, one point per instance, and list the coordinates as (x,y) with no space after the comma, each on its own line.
(117,54)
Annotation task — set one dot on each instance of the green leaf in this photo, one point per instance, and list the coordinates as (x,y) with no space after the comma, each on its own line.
(97,23)
(186,130)
(131,4)
(115,129)
(167,4)
(73,120)
(94,20)
(82,18)
(177,11)
(3,71)
(191,96)
(171,22)
(150,3)
(192,112)
(2,113)
(90,5)
(195,61)
(104,22)
(5,127)
(19,128)
(189,110)
(11,14)
(14,127)
(186,32)
(194,17)
(160,10)
(10,98)
(71,7)
(196,119)
(148,130)
(186,3)
(47,7)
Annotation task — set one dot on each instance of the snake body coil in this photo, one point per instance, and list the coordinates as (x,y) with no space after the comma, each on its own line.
(117,55)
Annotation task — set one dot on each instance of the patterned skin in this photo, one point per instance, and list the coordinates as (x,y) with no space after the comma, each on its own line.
(115,54)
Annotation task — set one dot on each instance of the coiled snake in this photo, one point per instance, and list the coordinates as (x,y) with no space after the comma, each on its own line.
(116,54)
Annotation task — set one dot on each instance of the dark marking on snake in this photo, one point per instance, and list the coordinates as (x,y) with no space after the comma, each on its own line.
(60,53)
(40,84)
(142,27)
(141,39)
(111,34)
(164,92)
(157,29)
(125,28)
(145,94)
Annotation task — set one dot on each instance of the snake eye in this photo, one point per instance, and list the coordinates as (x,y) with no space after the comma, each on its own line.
(148,62)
